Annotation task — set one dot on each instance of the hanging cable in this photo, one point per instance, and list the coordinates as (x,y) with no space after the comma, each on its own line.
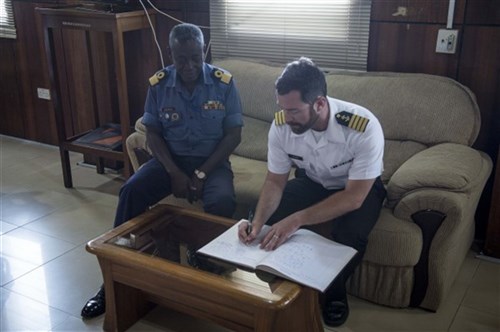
(154,34)
(172,18)
(451,12)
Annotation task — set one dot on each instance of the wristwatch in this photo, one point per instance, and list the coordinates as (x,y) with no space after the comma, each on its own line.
(200,174)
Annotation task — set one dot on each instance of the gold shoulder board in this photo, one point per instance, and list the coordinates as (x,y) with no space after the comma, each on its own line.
(157,77)
(353,121)
(279,118)
(223,76)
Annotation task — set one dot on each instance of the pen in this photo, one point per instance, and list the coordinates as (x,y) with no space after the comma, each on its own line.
(250,218)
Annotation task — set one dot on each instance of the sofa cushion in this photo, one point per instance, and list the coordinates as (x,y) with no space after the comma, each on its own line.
(255,81)
(253,139)
(396,153)
(413,107)
(431,169)
(249,176)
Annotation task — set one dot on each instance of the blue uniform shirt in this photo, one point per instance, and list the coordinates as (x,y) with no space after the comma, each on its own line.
(193,124)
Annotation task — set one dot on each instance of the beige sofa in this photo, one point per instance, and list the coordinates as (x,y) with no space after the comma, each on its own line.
(433,177)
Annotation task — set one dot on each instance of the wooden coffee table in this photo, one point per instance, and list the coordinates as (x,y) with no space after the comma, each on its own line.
(136,280)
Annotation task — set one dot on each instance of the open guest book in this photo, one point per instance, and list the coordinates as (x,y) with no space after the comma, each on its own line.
(305,258)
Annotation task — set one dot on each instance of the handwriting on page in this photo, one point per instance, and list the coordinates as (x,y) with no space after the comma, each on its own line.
(234,250)
(297,258)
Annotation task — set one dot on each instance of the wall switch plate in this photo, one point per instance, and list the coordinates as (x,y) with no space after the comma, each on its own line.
(446,41)
(43,93)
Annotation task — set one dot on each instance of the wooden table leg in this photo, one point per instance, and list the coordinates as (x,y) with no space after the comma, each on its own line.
(66,167)
(125,305)
(301,315)
(99,165)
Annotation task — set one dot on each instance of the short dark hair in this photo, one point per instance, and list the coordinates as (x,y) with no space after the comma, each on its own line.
(304,76)
(185,32)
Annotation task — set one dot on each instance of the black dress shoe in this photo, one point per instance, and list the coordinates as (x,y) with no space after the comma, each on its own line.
(335,313)
(96,306)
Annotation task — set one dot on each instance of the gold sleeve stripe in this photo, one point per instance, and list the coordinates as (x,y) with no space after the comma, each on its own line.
(358,123)
(279,118)
(361,126)
(354,122)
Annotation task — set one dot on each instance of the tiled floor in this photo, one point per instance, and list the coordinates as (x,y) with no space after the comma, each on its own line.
(47,275)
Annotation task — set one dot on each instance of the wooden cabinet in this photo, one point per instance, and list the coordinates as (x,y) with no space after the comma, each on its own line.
(86,54)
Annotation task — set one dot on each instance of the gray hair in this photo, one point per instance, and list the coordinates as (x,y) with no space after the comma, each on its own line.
(184,32)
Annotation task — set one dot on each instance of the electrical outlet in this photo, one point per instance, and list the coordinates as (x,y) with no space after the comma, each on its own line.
(43,93)
(446,41)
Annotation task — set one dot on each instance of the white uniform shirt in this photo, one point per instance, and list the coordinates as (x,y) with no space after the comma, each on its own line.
(341,153)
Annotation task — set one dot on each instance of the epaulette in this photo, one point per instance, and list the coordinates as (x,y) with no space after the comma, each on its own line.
(221,75)
(353,121)
(157,77)
(279,118)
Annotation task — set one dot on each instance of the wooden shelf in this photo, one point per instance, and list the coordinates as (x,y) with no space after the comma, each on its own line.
(69,34)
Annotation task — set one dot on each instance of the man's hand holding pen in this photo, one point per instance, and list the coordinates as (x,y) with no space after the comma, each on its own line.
(250,220)
(276,236)
(247,232)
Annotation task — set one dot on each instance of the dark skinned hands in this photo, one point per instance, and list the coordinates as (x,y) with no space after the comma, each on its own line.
(195,189)
(180,185)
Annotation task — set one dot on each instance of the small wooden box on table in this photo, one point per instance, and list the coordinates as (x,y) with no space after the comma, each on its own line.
(135,280)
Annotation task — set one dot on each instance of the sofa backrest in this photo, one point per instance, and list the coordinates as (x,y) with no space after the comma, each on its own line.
(416,110)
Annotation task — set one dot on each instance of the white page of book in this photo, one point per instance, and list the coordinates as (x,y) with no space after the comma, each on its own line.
(309,258)
(305,257)
(229,246)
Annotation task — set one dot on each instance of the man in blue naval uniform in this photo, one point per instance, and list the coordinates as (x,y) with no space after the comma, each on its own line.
(193,125)
(193,120)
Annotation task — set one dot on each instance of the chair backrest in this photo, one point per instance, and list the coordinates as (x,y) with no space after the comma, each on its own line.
(416,110)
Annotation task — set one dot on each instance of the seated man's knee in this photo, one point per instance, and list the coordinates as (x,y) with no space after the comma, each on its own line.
(350,239)
(129,188)
(137,192)
(223,205)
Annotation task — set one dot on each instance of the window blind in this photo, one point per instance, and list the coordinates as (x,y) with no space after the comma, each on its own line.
(333,33)
(7,26)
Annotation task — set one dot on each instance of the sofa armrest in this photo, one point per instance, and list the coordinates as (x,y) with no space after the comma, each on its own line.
(449,167)
(439,189)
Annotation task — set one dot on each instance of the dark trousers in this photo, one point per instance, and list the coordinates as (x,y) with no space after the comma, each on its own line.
(351,229)
(151,183)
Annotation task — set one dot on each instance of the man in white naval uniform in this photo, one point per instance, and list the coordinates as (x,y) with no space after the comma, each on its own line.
(337,148)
